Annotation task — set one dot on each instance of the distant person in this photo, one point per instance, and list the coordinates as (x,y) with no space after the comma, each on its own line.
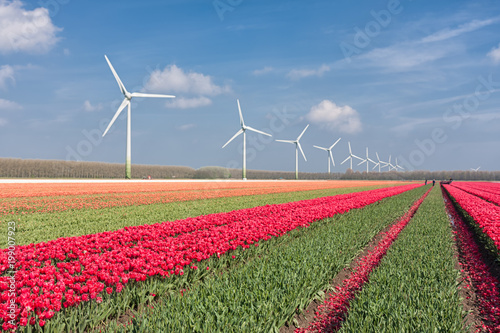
(433,182)
(450,181)
(426,182)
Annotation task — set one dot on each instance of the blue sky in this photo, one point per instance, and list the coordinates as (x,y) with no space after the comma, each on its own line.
(417,80)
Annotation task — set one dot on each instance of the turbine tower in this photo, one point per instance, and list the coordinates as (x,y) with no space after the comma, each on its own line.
(329,153)
(351,155)
(243,130)
(126,103)
(297,147)
(366,160)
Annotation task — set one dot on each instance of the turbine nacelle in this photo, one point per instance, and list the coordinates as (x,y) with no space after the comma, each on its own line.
(128,96)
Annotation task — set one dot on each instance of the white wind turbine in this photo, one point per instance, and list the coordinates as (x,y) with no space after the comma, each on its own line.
(367,160)
(390,165)
(351,155)
(379,163)
(243,130)
(329,152)
(476,169)
(297,147)
(126,103)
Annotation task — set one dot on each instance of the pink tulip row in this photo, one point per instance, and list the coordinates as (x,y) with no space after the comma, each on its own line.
(487,287)
(67,271)
(487,191)
(331,313)
(486,214)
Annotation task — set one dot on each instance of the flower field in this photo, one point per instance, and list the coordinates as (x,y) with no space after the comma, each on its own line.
(45,198)
(486,214)
(249,256)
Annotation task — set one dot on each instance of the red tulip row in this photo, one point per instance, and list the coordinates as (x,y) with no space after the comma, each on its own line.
(487,191)
(331,313)
(483,186)
(486,285)
(67,271)
(486,214)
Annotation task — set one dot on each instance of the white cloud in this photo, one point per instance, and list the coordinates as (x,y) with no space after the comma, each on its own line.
(334,117)
(87,106)
(174,80)
(6,74)
(494,54)
(262,71)
(411,54)
(9,105)
(296,74)
(186,127)
(187,103)
(406,56)
(24,30)
(464,28)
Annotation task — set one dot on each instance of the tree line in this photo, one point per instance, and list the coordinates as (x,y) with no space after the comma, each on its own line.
(31,168)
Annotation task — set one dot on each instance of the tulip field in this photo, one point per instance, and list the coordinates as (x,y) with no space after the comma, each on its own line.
(256,256)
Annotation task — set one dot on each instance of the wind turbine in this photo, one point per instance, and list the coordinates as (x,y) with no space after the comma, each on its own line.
(243,130)
(351,155)
(329,153)
(379,163)
(389,164)
(126,103)
(367,160)
(476,169)
(297,147)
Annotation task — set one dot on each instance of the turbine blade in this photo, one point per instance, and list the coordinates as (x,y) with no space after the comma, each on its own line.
(350,151)
(376,165)
(369,159)
(320,148)
(242,122)
(117,78)
(335,143)
(347,159)
(363,161)
(125,102)
(257,131)
(378,158)
(359,158)
(234,136)
(300,148)
(136,94)
(288,141)
(302,132)
(331,156)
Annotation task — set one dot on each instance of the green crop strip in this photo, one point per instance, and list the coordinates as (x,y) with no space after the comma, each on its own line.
(42,227)
(277,278)
(414,289)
